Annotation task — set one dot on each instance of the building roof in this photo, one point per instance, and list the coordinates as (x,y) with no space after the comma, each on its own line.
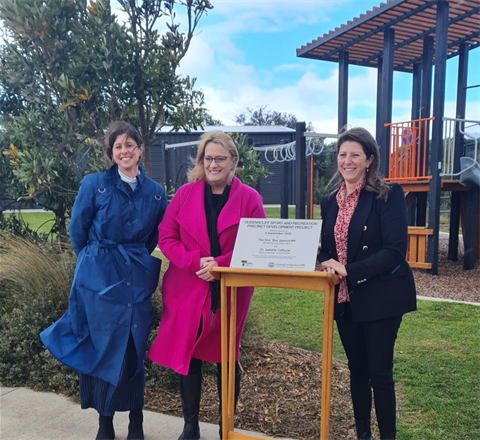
(412,20)
(236,129)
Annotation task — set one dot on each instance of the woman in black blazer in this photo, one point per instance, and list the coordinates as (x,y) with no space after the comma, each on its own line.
(364,242)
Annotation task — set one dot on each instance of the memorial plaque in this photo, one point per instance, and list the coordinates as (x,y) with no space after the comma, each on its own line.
(284,244)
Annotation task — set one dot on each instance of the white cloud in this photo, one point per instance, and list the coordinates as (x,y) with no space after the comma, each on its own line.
(200,59)
(268,16)
(310,89)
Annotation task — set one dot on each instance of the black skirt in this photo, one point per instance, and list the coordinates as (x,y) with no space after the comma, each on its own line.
(107,398)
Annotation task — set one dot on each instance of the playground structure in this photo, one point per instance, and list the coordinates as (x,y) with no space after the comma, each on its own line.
(309,145)
(427,154)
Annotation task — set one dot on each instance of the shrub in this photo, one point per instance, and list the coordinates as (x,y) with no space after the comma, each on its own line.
(249,169)
(36,282)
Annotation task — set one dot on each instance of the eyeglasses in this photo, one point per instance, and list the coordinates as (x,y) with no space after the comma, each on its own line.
(219,160)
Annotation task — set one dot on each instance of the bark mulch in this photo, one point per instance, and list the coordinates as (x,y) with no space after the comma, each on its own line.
(280,392)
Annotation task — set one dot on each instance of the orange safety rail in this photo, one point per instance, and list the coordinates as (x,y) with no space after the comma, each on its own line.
(408,150)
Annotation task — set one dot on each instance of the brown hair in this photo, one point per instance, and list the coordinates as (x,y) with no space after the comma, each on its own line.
(217,137)
(373,179)
(117,128)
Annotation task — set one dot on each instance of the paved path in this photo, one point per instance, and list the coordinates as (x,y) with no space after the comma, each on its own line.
(431,298)
(30,415)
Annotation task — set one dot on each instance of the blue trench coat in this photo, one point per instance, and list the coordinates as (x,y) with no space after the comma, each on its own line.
(113,234)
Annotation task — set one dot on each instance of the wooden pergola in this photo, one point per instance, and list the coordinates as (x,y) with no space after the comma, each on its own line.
(412,36)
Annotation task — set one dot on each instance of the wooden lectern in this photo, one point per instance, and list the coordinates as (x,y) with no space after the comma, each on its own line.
(233,278)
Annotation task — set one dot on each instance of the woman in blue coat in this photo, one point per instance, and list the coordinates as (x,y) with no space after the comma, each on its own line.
(364,242)
(103,334)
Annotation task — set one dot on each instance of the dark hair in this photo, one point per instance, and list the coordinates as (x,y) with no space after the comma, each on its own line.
(117,128)
(373,179)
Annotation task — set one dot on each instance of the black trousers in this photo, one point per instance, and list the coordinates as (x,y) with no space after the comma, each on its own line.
(195,366)
(369,348)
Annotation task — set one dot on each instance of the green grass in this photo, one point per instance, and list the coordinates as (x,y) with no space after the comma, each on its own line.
(437,358)
(41,221)
(437,355)
(274,212)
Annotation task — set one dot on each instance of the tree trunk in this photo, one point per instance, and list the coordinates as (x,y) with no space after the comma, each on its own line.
(60,220)
(146,157)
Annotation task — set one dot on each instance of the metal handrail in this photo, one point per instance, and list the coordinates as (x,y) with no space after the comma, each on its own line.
(450,126)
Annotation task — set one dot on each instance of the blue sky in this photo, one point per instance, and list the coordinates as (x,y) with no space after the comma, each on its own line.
(244,55)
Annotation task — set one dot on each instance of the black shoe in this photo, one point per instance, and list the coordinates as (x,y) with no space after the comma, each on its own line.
(364,431)
(105,428)
(135,427)
(190,392)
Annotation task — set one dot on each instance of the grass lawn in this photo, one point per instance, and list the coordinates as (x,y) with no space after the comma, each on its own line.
(437,358)
(41,221)
(437,355)
(274,212)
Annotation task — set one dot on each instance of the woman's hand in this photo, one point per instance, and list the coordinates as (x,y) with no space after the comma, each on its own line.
(333,266)
(205,264)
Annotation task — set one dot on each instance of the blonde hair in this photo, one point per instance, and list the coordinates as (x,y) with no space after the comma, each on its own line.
(217,137)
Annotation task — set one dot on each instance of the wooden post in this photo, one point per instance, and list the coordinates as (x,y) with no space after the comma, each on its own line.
(233,278)
(300,170)
(441,44)
(459,147)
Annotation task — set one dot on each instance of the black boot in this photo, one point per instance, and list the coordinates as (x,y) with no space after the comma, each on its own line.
(135,427)
(387,435)
(105,428)
(364,431)
(238,377)
(190,391)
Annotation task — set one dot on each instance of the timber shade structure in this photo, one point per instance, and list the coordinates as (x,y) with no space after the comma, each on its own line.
(413,20)
(418,37)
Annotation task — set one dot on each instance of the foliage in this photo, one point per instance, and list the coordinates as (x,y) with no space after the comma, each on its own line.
(208,119)
(324,167)
(169,191)
(68,68)
(35,282)
(34,288)
(262,116)
(249,169)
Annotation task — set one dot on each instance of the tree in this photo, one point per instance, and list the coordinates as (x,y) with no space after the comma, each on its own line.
(68,68)
(209,120)
(262,116)
(249,168)
(324,169)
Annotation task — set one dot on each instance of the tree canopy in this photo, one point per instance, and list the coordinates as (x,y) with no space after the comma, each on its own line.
(68,68)
(263,116)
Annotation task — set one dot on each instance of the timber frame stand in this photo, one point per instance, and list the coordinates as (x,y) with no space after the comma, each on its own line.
(301,280)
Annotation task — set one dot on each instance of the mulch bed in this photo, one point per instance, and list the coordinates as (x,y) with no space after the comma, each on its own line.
(280,393)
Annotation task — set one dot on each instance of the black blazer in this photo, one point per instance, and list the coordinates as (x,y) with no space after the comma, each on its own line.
(380,281)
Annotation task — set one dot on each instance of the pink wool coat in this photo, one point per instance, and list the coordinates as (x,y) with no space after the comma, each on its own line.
(183,238)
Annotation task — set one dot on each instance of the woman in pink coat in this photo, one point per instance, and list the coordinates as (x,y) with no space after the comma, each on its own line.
(198,232)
